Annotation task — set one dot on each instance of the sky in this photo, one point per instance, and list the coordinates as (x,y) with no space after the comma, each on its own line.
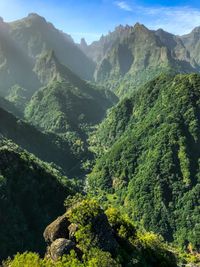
(92,18)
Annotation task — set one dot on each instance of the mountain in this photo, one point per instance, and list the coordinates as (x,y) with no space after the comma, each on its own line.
(67,101)
(131,56)
(98,49)
(9,107)
(15,66)
(30,54)
(47,146)
(192,43)
(31,194)
(35,35)
(149,155)
(21,43)
(140,167)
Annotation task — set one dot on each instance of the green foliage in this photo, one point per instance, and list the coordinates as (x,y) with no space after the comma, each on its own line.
(95,258)
(26,259)
(134,248)
(99,258)
(57,149)
(65,106)
(148,148)
(32,195)
(123,227)
(84,212)
(18,96)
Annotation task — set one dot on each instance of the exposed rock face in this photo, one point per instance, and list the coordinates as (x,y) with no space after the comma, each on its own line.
(60,236)
(60,247)
(57,229)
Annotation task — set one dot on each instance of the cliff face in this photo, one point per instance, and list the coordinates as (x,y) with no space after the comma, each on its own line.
(130,56)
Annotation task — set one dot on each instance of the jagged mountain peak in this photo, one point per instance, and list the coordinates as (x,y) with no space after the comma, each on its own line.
(196,30)
(30,20)
(35,16)
(3,25)
(83,44)
(140,27)
(83,41)
(35,35)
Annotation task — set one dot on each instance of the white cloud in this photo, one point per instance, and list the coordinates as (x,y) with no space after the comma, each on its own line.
(123,5)
(177,20)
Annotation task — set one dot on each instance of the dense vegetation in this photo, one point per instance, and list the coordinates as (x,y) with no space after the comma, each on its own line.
(65,103)
(149,157)
(32,194)
(103,239)
(60,151)
(143,159)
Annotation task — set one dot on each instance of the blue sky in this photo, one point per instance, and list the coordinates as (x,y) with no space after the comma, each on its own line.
(92,18)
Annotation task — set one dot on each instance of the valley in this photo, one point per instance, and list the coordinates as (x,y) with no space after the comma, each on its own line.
(105,137)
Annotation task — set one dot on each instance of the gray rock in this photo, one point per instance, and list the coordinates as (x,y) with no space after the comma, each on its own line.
(57,229)
(60,247)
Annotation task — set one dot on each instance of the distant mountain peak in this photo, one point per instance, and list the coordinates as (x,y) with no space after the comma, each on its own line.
(139,26)
(3,24)
(196,30)
(83,43)
(160,30)
(119,27)
(36,17)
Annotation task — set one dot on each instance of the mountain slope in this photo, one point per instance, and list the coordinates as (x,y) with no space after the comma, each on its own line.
(66,102)
(35,35)
(9,107)
(131,56)
(150,157)
(15,66)
(98,49)
(192,43)
(31,194)
(47,147)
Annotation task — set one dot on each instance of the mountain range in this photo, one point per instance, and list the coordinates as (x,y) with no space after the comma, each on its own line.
(132,55)
(111,129)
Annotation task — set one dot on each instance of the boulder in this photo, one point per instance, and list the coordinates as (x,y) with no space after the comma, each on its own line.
(72,230)
(57,229)
(60,247)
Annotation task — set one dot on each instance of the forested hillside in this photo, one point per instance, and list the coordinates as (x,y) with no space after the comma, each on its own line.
(66,101)
(32,194)
(107,134)
(149,157)
(58,150)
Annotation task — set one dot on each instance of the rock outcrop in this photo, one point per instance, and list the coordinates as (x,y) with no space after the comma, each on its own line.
(60,237)
(57,229)
(60,247)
